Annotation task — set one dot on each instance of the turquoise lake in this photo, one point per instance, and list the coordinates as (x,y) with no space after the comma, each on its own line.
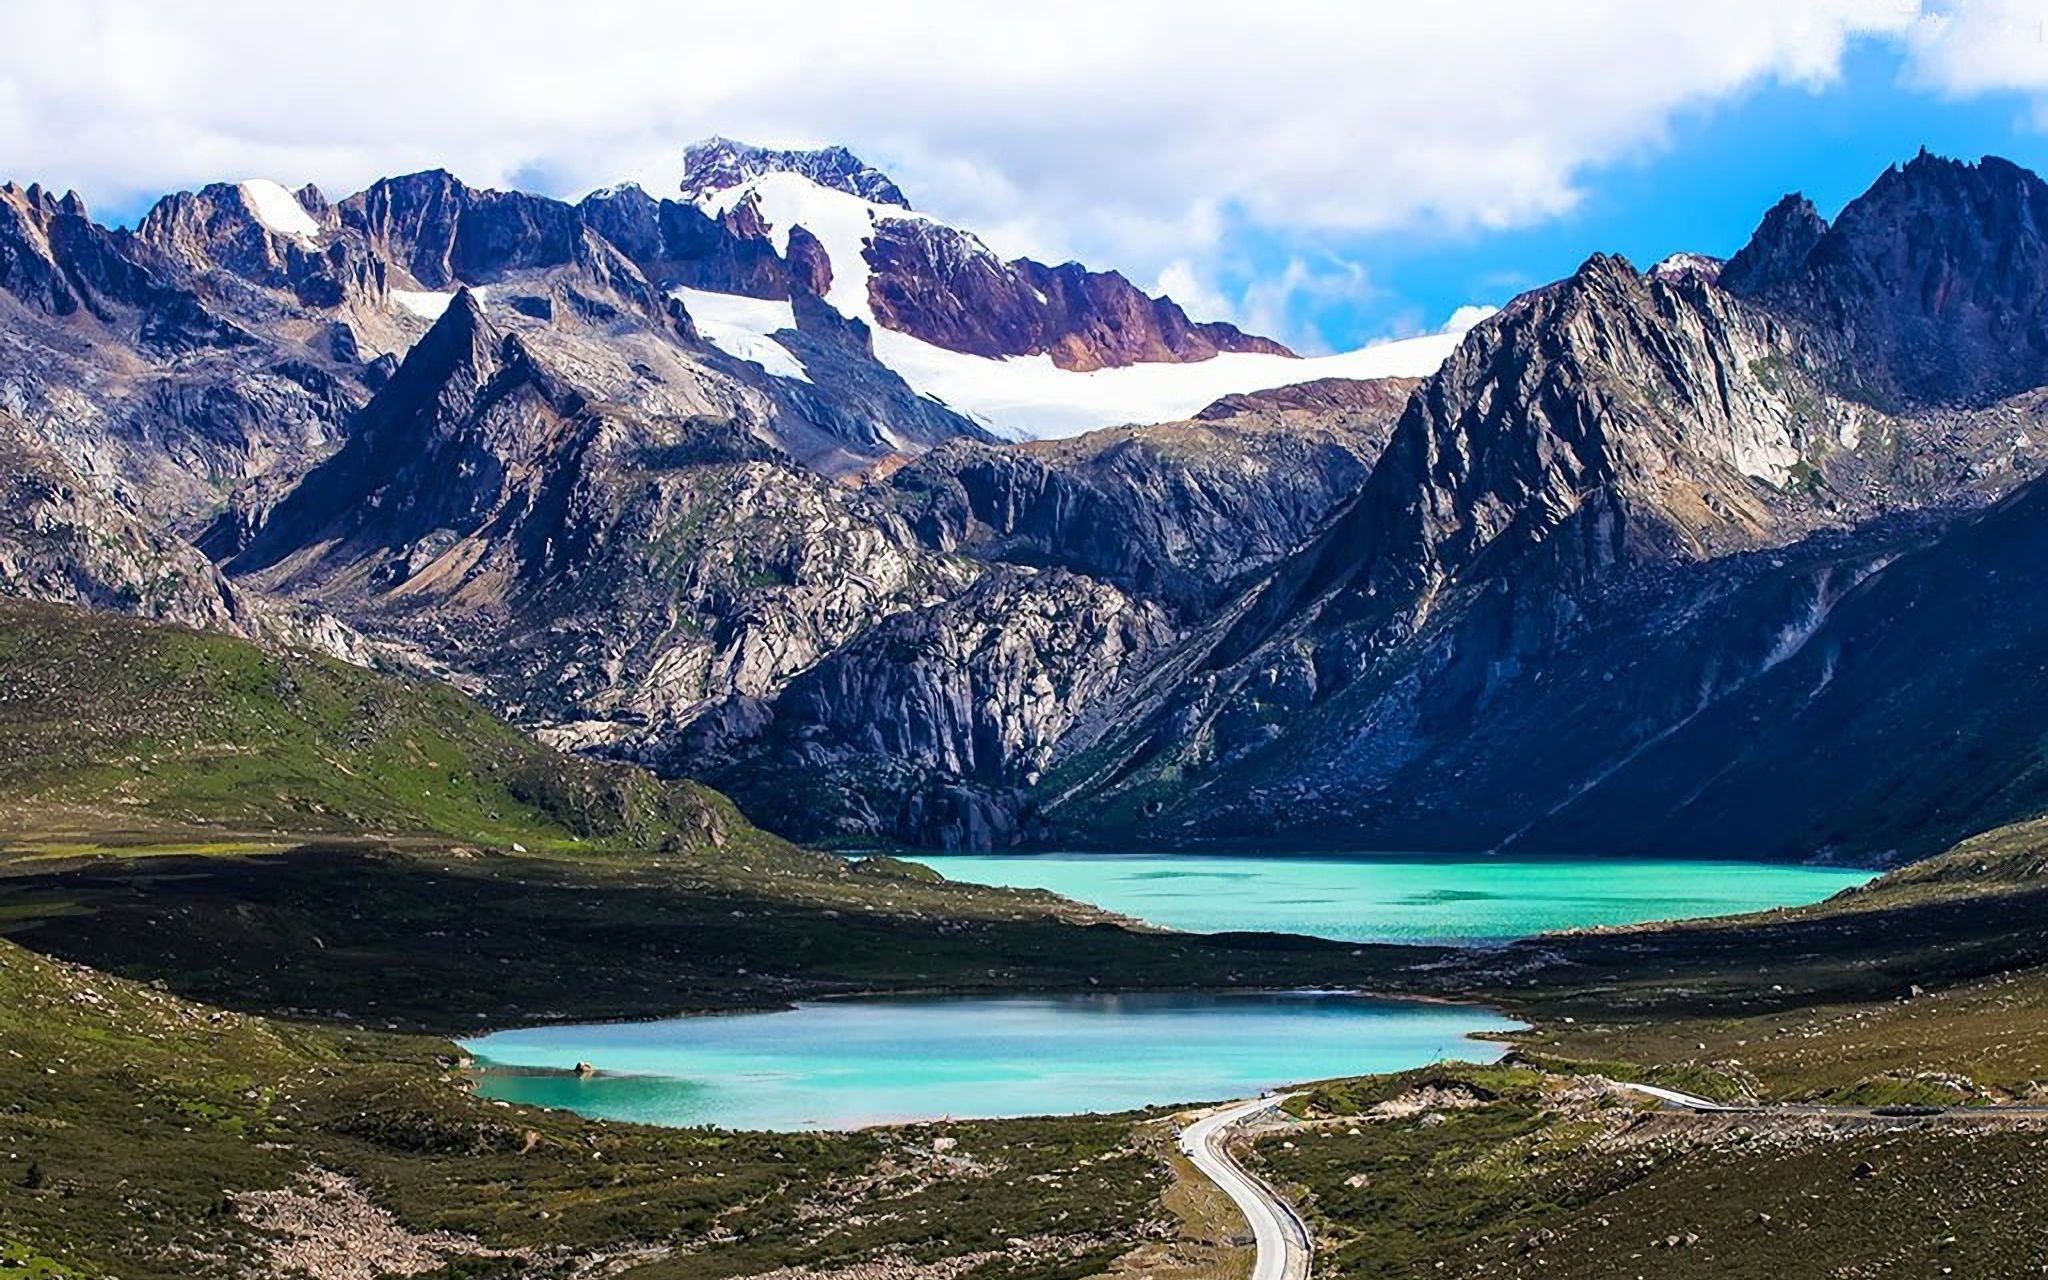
(836,1064)
(846,1063)
(1387,898)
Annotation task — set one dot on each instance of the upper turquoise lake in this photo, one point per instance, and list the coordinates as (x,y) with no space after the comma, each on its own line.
(1390,898)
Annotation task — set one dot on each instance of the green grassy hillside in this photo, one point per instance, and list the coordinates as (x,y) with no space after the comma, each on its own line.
(116,731)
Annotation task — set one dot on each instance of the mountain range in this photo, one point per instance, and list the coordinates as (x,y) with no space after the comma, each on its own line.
(1710,558)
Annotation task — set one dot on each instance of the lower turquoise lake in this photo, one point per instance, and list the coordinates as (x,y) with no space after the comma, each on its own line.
(837,1064)
(1387,898)
(846,1063)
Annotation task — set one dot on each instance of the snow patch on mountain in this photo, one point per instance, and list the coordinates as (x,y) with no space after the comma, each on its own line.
(279,210)
(1687,264)
(427,304)
(1018,396)
(745,327)
(842,223)
(1031,397)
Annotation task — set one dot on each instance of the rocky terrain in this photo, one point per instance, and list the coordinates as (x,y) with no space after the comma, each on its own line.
(922,277)
(944,286)
(1527,601)
(1620,511)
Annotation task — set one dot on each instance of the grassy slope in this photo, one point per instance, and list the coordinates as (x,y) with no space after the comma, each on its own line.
(114,731)
(1813,1003)
(413,833)
(129,1118)
(1550,1175)
(1544,1176)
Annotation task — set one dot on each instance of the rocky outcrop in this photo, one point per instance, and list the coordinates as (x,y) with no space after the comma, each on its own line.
(62,541)
(219,229)
(1176,513)
(443,232)
(1934,282)
(931,726)
(467,426)
(679,245)
(1371,402)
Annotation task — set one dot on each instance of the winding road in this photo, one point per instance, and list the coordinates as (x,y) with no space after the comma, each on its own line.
(1281,1238)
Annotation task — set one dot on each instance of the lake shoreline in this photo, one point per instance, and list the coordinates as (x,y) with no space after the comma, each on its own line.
(898,1059)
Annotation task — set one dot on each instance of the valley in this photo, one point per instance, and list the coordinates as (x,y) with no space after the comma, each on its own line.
(454,637)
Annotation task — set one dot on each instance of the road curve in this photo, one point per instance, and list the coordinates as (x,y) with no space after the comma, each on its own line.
(1282,1240)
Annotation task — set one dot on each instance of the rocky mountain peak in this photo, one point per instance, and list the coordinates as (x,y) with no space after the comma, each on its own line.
(1679,266)
(445,232)
(36,197)
(719,164)
(445,373)
(1778,247)
(1936,278)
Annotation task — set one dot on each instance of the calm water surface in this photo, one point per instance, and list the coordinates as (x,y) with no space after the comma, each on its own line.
(1394,899)
(843,1063)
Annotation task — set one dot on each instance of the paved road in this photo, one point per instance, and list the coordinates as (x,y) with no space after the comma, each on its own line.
(1282,1240)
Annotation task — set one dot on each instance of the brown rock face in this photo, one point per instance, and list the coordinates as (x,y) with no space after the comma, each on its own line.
(810,267)
(1371,399)
(945,287)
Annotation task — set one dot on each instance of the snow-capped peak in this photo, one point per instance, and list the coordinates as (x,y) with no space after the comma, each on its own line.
(842,222)
(1019,396)
(617,191)
(1687,264)
(279,210)
(717,164)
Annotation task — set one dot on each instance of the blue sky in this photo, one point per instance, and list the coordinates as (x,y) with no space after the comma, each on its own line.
(1701,190)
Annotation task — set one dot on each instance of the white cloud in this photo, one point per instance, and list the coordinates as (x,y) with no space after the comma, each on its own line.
(1142,135)
(1269,303)
(1465,317)
(1303,113)
(1982,45)
(1183,283)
